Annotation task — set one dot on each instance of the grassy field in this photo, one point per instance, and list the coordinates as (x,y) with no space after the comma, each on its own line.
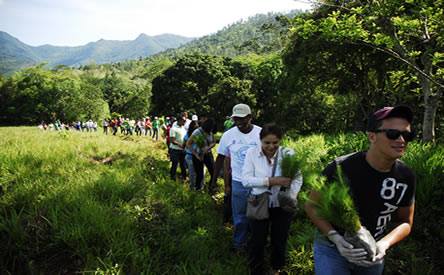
(85,202)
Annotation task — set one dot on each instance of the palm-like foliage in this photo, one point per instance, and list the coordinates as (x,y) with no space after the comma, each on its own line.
(290,165)
(199,140)
(336,205)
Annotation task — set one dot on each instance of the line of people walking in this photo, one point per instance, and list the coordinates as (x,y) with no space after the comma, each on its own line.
(381,186)
(140,127)
(190,143)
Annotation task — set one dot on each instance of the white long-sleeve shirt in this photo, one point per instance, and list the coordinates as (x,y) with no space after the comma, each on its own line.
(257,169)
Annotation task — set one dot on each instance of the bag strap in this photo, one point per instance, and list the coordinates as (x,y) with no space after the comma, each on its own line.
(275,162)
(275,165)
(283,188)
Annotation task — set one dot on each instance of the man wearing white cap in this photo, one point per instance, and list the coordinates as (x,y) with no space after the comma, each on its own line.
(234,144)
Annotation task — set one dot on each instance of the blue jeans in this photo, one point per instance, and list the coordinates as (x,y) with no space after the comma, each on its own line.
(239,196)
(328,261)
(177,158)
(198,165)
(191,171)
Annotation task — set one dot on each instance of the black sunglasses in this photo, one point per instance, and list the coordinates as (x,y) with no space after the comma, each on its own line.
(394,134)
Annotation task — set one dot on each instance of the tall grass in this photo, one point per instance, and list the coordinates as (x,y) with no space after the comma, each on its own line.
(64,211)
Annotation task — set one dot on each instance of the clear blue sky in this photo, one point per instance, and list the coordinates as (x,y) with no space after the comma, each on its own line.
(77,22)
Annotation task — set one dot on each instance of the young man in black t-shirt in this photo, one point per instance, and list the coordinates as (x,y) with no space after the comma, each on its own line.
(382,188)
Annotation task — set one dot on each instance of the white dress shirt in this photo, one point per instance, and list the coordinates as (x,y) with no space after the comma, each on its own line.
(257,169)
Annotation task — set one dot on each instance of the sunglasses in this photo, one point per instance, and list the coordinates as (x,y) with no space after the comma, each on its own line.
(394,134)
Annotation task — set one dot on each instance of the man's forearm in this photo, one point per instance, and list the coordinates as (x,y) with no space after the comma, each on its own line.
(227,175)
(399,233)
(402,230)
(217,166)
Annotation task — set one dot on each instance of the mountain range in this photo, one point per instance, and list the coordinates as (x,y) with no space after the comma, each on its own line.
(259,34)
(15,54)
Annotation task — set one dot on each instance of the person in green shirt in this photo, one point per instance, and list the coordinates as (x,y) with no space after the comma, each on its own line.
(156,125)
(228,123)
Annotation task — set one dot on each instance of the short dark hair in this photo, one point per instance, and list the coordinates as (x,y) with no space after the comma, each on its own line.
(208,125)
(271,129)
(193,126)
(374,125)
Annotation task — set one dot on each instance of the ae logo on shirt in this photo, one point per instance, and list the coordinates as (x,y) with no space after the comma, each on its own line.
(390,190)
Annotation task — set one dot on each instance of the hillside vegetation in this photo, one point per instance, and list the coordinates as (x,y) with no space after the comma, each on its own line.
(259,34)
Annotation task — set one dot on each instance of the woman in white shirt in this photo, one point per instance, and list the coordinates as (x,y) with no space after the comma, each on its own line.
(257,174)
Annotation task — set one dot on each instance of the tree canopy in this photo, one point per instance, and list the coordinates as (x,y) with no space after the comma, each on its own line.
(410,32)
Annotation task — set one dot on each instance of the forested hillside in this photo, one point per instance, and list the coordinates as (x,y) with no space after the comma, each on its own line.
(260,34)
(14,54)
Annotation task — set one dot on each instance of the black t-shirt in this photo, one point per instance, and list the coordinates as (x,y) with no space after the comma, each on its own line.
(377,195)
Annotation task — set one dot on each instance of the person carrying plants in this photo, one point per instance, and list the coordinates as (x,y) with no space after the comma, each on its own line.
(266,173)
(234,144)
(189,155)
(200,143)
(382,189)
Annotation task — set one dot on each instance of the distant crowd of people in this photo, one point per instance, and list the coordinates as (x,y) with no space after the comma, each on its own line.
(84,126)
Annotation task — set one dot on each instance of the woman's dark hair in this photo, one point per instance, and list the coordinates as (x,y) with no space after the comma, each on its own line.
(271,129)
(193,125)
(208,125)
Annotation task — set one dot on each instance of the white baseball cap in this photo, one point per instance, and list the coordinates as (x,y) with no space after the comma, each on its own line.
(194,118)
(241,110)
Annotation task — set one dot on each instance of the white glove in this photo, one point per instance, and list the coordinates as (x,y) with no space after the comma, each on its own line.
(346,249)
(381,248)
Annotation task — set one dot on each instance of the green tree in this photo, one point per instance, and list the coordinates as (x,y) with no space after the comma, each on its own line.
(226,93)
(203,84)
(409,31)
(267,87)
(125,96)
(186,84)
(36,94)
(353,79)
